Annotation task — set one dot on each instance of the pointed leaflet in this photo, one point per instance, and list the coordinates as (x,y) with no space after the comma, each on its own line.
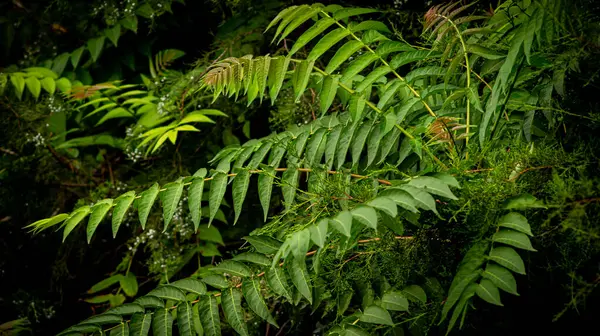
(467,273)
(233,267)
(231,301)
(343,222)
(239,189)
(377,315)
(120,330)
(140,324)
(145,203)
(105,283)
(259,155)
(357,66)
(210,233)
(394,301)
(342,54)
(216,281)
(489,292)
(277,70)
(289,182)
(277,280)
(76,56)
(415,293)
(299,18)
(48,84)
(148,301)
(327,42)
(74,219)
(34,86)
(264,244)
(209,315)
(95,47)
(311,33)
(113,33)
(265,187)
(170,199)
(515,221)
(196,321)
(301,76)
(185,319)
(318,232)
(513,238)
(253,257)
(372,77)
(461,307)
(401,197)
(300,278)
(385,204)
(422,199)
(389,93)
(348,12)
(122,203)
(129,284)
(99,210)
(168,292)
(195,196)
(162,323)
(59,64)
(332,141)
(344,144)
(366,215)
(508,258)
(501,277)
(126,309)
(316,141)
(252,293)
(190,285)
(373,142)
(356,107)
(299,243)
(327,94)
(283,14)
(288,18)
(218,185)
(351,330)
(432,186)
(359,141)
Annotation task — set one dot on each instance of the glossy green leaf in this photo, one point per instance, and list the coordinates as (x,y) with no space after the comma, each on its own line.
(49,85)
(239,189)
(253,257)
(348,12)
(122,204)
(301,76)
(76,56)
(509,258)
(415,293)
(342,54)
(264,244)
(146,202)
(209,315)
(300,278)
(432,186)
(366,215)
(332,143)
(252,294)
(59,64)
(216,281)
(327,42)
(342,222)
(210,233)
(190,285)
(376,315)
(195,191)
(394,300)
(278,282)
(358,143)
(233,268)
(129,284)
(127,309)
(311,33)
(422,199)
(18,83)
(318,232)
(168,292)
(149,301)
(99,211)
(277,71)
(74,219)
(231,301)
(34,86)
(401,198)
(513,238)
(113,33)
(95,46)
(501,277)
(265,188)
(358,65)
(103,319)
(106,283)
(515,221)
(385,204)
(140,324)
(170,200)
(289,180)
(488,292)
(162,323)
(218,186)
(185,319)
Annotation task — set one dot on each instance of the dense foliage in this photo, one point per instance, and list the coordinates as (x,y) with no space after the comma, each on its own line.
(299,168)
